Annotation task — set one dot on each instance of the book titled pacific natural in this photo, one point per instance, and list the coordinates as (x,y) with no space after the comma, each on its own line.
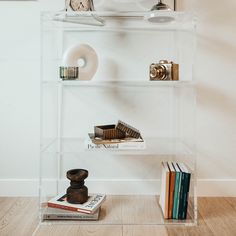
(94,143)
(175,183)
(89,207)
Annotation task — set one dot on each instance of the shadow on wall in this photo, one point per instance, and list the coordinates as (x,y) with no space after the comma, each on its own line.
(214,99)
(216,133)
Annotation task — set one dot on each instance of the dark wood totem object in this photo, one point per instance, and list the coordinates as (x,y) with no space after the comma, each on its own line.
(77,193)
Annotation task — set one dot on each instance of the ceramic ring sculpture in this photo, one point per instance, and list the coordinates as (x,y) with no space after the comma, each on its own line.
(77,193)
(83,56)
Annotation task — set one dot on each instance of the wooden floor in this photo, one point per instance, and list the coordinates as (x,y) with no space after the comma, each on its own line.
(19,217)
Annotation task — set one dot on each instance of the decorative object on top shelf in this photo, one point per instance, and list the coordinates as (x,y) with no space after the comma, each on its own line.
(79,5)
(77,193)
(82,56)
(69,73)
(164,70)
(154,15)
(160,6)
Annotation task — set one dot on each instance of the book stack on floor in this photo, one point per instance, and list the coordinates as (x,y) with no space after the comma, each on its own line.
(60,209)
(175,183)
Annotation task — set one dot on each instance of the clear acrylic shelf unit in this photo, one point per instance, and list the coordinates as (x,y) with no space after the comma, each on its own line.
(164,111)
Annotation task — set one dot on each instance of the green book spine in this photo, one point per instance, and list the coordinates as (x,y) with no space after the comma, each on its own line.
(181,196)
(176,195)
(185,196)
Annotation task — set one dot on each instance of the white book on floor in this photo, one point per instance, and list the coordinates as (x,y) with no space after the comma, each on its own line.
(61,214)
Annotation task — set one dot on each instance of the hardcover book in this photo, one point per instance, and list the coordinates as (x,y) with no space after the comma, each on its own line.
(185,191)
(164,195)
(176,191)
(89,207)
(60,214)
(124,144)
(181,192)
(171,190)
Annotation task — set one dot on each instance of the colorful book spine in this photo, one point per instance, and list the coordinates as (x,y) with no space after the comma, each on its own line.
(181,194)
(187,176)
(171,191)
(186,196)
(176,191)
(164,196)
(175,187)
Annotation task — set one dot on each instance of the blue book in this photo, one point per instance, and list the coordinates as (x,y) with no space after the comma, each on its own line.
(176,190)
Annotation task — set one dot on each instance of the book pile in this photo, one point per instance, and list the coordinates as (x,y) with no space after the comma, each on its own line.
(119,136)
(175,182)
(59,208)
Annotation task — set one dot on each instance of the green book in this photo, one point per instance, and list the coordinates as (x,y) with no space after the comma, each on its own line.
(181,192)
(176,191)
(186,185)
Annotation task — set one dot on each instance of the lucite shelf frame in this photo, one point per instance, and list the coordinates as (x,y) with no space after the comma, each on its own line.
(71,108)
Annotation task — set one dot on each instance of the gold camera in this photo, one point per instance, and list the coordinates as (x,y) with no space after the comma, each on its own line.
(164,70)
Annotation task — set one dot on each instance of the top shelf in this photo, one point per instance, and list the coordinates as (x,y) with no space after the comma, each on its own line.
(126,84)
(110,21)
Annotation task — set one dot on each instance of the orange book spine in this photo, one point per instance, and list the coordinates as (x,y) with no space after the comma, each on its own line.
(53,205)
(171,194)
(167,195)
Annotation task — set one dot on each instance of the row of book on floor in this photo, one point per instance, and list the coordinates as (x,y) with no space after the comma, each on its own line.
(60,209)
(174,195)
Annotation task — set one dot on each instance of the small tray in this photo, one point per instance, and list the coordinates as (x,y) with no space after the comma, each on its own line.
(108,132)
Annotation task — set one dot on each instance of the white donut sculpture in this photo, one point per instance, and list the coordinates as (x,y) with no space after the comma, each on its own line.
(83,56)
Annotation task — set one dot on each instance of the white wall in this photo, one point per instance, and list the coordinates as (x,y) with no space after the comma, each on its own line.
(19,91)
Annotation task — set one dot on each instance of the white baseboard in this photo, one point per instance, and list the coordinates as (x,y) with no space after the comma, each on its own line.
(216,187)
(205,187)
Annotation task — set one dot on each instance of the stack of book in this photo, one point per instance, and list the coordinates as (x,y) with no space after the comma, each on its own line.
(175,182)
(115,136)
(60,209)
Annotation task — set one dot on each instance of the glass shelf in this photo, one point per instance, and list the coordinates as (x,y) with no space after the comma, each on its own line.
(116,21)
(131,83)
(154,146)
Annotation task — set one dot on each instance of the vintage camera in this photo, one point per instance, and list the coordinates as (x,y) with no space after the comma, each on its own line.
(164,70)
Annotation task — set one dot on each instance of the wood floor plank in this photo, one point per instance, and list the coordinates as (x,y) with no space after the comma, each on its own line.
(19,216)
(5,204)
(141,230)
(21,219)
(73,230)
(231,201)
(218,215)
(200,230)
